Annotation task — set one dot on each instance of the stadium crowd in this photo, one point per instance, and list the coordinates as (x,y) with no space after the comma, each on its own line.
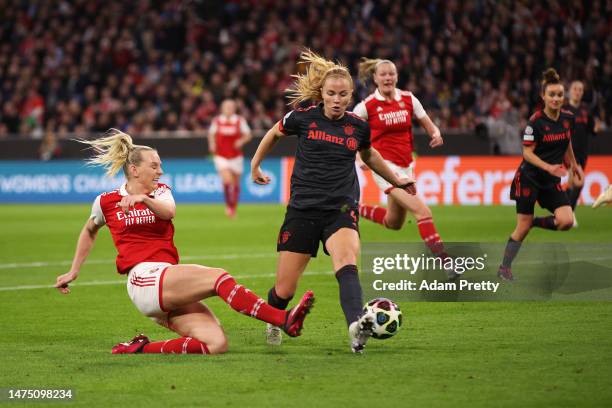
(146,66)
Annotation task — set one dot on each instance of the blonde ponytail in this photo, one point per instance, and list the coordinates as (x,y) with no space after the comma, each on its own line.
(368,66)
(115,152)
(308,86)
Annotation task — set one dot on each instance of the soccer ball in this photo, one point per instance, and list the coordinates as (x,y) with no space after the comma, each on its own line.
(387,317)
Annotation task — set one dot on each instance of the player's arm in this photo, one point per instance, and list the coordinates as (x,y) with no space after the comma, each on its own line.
(530,157)
(245,134)
(576,172)
(374,161)
(212,146)
(432,130)
(164,209)
(86,240)
(163,206)
(265,146)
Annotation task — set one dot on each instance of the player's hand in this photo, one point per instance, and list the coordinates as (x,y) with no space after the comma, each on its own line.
(557,170)
(129,201)
(62,281)
(259,177)
(409,185)
(578,173)
(436,140)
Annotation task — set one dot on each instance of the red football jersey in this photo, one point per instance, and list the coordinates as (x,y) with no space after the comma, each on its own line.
(391,124)
(226,131)
(139,236)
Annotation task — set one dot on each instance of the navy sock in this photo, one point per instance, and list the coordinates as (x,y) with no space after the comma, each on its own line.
(512,248)
(351,296)
(276,301)
(545,222)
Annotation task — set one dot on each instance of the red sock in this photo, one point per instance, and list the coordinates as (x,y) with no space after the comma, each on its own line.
(182,345)
(227,193)
(430,236)
(246,302)
(373,213)
(236,195)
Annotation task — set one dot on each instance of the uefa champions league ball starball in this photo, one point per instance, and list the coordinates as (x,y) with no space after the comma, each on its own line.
(387,317)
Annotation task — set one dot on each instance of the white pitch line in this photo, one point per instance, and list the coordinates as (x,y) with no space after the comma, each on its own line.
(122,282)
(43,264)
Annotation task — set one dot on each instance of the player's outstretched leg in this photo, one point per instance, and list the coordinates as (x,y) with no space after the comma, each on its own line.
(142,344)
(246,302)
(186,284)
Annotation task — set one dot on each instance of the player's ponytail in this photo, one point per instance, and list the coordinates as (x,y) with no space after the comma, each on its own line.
(550,77)
(115,151)
(368,66)
(308,86)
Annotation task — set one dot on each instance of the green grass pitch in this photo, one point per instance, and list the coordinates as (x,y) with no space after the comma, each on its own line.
(447,354)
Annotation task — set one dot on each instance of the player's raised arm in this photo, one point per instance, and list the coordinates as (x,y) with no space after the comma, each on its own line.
(265,147)
(374,160)
(86,240)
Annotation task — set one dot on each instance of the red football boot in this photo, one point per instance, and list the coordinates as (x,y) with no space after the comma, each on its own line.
(295,317)
(134,346)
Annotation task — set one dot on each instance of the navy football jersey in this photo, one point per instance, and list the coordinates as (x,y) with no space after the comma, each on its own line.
(324,175)
(584,129)
(551,139)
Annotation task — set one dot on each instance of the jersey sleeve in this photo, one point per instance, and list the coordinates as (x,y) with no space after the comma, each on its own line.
(591,124)
(364,141)
(164,193)
(417,107)
(213,127)
(361,110)
(531,135)
(96,213)
(289,124)
(244,126)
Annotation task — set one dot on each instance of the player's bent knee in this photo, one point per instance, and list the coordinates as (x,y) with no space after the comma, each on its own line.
(564,225)
(393,225)
(218,347)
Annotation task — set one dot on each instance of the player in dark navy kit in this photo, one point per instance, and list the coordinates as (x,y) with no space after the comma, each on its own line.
(323,206)
(584,129)
(546,148)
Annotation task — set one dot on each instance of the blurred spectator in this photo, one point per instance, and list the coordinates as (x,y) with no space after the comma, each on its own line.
(86,65)
(49,147)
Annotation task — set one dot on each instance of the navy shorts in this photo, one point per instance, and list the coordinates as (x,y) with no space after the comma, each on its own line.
(527,192)
(302,230)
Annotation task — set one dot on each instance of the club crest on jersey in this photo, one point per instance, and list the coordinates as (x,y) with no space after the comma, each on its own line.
(351,143)
(402,104)
(349,129)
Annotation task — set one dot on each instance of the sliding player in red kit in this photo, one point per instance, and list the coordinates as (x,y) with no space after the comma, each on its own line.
(139,216)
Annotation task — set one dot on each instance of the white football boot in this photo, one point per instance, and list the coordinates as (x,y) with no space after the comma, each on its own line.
(274,335)
(360,331)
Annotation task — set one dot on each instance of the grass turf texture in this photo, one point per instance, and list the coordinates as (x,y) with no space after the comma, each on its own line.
(448,354)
